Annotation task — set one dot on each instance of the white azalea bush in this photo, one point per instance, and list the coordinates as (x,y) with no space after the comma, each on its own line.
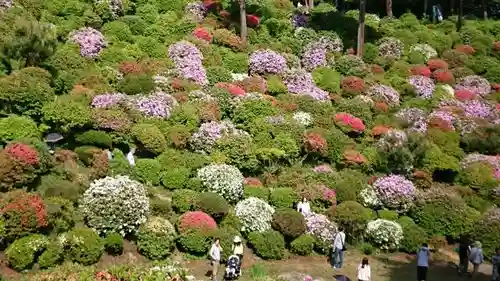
(369,198)
(302,118)
(116,204)
(321,228)
(254,214)
(223,179)
(425,50)
(387,235)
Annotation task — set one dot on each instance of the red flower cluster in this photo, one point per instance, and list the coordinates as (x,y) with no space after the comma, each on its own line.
(196,221)
(495,87)
(23,153)
(464,95)
(253,84)
(224,14)
(353,157)
(347,119)
(231,88)
(24,211)
(314,142)
(465,49)
(130,67)
(435,64)
(253,182)
(441,124)
(421,70)
(496,46)
(382,106)
(253,20)
(202,34)
(353,84)
(380,130)
(105,276)
(443,76)
(377,69)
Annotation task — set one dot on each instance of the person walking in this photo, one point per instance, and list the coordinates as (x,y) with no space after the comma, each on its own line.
(215,255)
(476,257)
(303,207)
(238,250)
(423,257)
(338,249)
(364,272)
(463,254)
(495,261)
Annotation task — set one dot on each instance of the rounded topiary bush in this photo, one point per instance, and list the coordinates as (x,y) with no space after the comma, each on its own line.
(254,214)
(148,171)
(226,235)
(83,245)
(283,198)
(225,180)
(113,243)
(388,215)
(194,242)
(175,178)
(156,238)
(352,216)
(213,204)
(52,256)
(322,229)
(385,234)
(197,220)
(21,253)
(289,222)
(61,214)
(413,235)
(17,128)
(303,245)
(394,191)
(184,200)
(487,230)
(256,191)
(115,204)
(269,245)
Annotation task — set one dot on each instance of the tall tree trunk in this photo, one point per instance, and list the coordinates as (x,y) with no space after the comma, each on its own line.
(361,29)
(388,8)
(460,14)
(311,4)
(485,12)
(452,7)
(243,21)
(425,8)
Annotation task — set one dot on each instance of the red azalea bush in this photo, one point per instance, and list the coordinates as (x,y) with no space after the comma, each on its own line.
(421,70)
(253,84)
(23,153)
(349,122)
(23,213)
(440,124)
(380,130)
(443,76)
(382,106)
(196,221)
(314,142)
(253,20)
(435,64)
(130,67)
(231,88)
(464,95)
(377,69)
(253,182)
(202,34)
(465,49)
(353,157)
(353,84)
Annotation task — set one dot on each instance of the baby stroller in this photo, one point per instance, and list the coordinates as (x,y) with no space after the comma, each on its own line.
(233,267)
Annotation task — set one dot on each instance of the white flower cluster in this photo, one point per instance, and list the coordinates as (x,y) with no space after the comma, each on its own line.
(239,76)
(385,234)
(223,179)
(255,214)
(450,92)
(392,139)
(115,204)
(369,198)
(425,50)
(321,227)
(159,225)
(391,48)
(303,118)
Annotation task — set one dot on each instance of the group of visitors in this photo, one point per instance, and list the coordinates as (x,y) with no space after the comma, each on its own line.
(467,254)
(215,255)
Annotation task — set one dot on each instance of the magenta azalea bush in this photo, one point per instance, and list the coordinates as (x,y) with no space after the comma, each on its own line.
(395,191)
(474,83)
(188,62)
(300,82)
(90,40)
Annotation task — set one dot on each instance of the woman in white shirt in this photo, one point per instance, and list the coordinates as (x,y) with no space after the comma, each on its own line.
(215,254)
(238,249)
(364,273)
(303,207)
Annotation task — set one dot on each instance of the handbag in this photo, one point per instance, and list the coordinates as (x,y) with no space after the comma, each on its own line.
(343,244)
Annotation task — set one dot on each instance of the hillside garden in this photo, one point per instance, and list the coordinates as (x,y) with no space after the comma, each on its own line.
(232,127)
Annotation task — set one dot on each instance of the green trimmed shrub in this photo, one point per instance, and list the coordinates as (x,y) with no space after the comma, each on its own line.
(256,191)
(289,222)
(389,215)
(194,242)
(353,217)
(136,84)
(150,137)
(213,204)
(148,171)
(83,245)
(487,230)
(184,200)
(175,178)
(283,197)
(95,138)
(155,245)
(61,214)
(22,252)
(16,127)
(226,235)
(327,79)
(52,256)
(54,186)
(413,235)
(113,243)
(269,245)
(303,245)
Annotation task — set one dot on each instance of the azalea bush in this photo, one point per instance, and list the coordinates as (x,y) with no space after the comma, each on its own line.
(115,204)
(225,180)
(255,214)
(385,234)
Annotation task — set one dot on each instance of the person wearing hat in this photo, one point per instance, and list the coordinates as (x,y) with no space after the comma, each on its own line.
(476,257)
(238,247)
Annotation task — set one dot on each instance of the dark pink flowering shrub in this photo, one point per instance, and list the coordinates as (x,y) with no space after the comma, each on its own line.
(349,122)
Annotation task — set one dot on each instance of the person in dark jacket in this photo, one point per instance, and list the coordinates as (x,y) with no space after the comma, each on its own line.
(463,254)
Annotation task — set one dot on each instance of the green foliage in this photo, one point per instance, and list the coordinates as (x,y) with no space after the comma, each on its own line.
(137,84)
(218,74)
(213,204)
(175,178)
(155,245)
(353,217)
(289,222)
(113,243)
(66,114)
(269,245)
(16,127)
(226,235)
(61,214)
(388,215)
(52,256)
(348,184)
(275,86)
(96,138)
(184,200)
(303,245)
(148,171)
(150,137)
(256,191)
(478,176)
(366,248)
(327,79)
(194,242)
(83,246)
(283,197)
(413,237)
(54,186)
(22,253)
